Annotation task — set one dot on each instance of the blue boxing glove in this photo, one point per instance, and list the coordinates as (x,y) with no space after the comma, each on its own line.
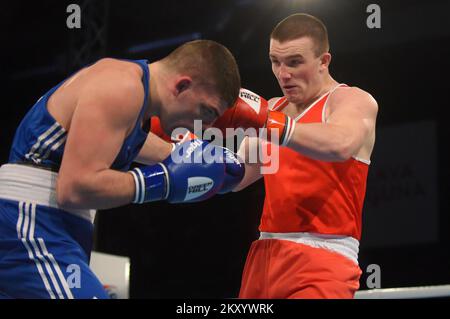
(195,171)
(234,172)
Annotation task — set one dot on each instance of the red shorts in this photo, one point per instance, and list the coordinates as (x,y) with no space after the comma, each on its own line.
(280,269)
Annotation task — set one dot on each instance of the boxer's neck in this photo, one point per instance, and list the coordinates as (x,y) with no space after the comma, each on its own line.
(154,101)
(328,84)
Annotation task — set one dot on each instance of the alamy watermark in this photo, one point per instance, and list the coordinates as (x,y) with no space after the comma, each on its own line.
(257,149)
(74,276)
(374,279)
(374,19)
(73,21)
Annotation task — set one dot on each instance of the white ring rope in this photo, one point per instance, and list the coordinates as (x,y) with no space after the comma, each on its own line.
(405,293)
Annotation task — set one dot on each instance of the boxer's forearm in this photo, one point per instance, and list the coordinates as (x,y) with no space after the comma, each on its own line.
(102,190)
(154,150)
(325,142)
(252,174)
(248,154)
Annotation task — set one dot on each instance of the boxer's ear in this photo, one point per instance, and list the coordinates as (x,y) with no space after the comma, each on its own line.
(325,60)
(182,84)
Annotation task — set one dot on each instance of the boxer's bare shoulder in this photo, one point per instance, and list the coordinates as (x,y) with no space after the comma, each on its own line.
(107,79)
(353,93)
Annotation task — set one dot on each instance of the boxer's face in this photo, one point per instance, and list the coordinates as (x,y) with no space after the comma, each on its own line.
(191,102)
(297,69)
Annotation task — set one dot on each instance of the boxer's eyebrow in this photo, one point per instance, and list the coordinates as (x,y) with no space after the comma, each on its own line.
(293,56)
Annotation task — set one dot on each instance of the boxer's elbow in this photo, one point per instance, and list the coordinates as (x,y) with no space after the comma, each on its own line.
(342,149)
(70,193)
(345,142)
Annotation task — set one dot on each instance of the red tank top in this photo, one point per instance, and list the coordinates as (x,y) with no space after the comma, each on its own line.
(308,195)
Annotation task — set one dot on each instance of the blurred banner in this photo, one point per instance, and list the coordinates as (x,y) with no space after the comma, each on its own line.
(401,206)
(113,272)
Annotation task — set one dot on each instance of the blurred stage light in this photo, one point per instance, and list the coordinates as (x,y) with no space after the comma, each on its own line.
(158,44)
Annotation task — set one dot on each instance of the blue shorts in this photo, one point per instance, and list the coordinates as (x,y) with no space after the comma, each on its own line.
(44,253)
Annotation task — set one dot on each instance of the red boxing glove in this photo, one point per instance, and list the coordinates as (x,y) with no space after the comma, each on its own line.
(155,128)
(249,110)
(252,111)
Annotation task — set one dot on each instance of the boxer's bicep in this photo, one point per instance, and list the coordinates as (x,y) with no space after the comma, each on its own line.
(353,113)
(104,114)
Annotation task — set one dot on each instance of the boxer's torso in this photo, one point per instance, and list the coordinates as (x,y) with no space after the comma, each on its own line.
(308,195)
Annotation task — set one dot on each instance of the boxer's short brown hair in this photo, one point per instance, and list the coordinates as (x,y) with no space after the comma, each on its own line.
(210,63)
(302,25)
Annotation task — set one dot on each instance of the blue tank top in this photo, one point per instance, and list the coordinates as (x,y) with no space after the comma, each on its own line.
(40,139)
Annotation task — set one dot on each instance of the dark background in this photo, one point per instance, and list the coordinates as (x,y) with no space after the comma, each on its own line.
(199,250)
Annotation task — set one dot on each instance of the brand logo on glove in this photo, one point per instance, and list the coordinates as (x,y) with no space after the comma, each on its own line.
(198,186)
(192,147)
(251,99)
(247,95)
(231,158)
(260,151)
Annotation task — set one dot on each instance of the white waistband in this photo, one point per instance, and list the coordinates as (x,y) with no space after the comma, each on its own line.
(345,245)
(37,185)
